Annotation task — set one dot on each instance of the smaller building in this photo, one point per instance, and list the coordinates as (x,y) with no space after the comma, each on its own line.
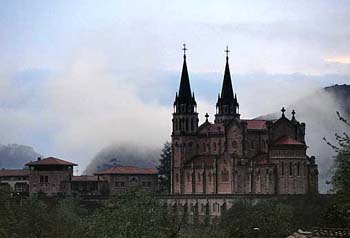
(121,178)
(15,180)
(48,175)
(86,185)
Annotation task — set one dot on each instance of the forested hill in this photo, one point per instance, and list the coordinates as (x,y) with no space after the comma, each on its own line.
(341,94)
(15,156)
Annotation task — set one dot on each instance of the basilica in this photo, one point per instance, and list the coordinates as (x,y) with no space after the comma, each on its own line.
(236,156)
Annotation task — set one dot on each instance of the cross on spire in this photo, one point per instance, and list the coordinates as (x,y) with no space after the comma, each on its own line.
(227,51)
(184,49)
(283,110)
(293,113)
(206,117)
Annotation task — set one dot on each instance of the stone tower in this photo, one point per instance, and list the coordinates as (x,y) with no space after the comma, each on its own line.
(185,125)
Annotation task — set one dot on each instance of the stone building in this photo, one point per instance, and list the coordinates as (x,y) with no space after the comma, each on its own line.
(85,185)
(53,176)
(233,155)
(122,178)
(15,180)
(47,175)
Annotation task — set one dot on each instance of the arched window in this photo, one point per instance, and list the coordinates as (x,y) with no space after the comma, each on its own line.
(192,124)
(204,149)
(290,168)
(199,177)
(224,175)
(186,124)
(252,144)
(208,147)
(176,144)
(282,168)
(214,146)
(188,177)
(177,177)
(176,125)
(298,169)
(209,177)
(234,144)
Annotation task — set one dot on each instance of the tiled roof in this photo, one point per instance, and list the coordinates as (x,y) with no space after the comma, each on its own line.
(50,161)
(13,172)
(322,233)
(330,232)
(128,170)
(84,178)
(256,124)
(286,140)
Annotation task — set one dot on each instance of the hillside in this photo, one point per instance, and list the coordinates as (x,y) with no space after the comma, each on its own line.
(14,156)
(124,154)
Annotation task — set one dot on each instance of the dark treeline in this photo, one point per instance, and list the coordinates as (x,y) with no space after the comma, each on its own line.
(139,214)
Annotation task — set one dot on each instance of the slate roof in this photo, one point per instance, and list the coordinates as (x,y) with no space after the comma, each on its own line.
(256,124)
(84,178)
(13,172)
(51,161)
(128,170)
(286,140)
(227,96)
(330,232)
(322,233)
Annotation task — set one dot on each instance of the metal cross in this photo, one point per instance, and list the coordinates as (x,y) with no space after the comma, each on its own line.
(227,51)
(184,49)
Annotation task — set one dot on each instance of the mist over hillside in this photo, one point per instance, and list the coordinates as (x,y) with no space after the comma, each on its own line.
(15,156)
(127,154)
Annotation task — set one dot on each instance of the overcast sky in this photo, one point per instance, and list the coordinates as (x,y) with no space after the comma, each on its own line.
(76,76)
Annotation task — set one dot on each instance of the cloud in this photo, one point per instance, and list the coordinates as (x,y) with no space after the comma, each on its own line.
(338,59)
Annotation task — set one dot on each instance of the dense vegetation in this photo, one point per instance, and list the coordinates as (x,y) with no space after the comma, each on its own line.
(139,214)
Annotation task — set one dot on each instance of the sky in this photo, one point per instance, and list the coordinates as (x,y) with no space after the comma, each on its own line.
(78,76)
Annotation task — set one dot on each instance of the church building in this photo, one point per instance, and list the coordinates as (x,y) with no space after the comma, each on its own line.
(232,155)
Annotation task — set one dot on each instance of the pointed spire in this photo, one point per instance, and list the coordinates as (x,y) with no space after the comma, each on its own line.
(227,91)
(185,88)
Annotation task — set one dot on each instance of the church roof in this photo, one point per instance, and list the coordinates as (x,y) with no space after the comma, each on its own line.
(127,170)
(256,124)
(13,172)
(50,161)
(286,140)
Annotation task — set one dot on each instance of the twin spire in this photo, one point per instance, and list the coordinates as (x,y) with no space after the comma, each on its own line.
(227,101)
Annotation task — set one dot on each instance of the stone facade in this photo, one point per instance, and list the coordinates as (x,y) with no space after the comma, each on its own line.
(15,180)
(48,175)
(233,155)
(122,178)
(53,176)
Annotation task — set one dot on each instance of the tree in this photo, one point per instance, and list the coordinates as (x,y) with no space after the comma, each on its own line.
(338,215)
(164,169)
(273,218)
(340,179)
(132,214)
